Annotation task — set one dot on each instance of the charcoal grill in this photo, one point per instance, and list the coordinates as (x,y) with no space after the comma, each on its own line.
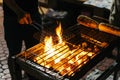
(85,48)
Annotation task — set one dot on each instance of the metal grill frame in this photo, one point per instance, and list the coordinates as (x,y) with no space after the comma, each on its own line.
(30,68)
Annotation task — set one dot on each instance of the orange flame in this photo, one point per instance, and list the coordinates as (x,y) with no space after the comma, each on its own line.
(59,33)
(50,47)
(60,53)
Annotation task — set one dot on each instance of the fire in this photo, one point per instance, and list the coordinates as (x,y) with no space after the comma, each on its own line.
(59,33)
(60,56)
(48,43)
(51,47)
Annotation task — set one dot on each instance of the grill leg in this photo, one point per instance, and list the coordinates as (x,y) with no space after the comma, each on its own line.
(116,75)
(116,72)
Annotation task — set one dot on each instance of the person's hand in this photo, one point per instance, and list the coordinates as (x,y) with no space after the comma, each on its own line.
(25,19)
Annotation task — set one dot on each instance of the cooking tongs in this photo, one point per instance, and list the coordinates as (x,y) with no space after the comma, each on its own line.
(37,26)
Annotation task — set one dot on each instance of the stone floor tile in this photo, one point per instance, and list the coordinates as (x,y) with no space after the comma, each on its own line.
(5,66)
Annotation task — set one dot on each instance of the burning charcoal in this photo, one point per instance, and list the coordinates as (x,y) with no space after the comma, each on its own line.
(96,49)
(63,72)
(104,44)
(89,49)
(84,45)
(90,54)
(49,63)
(66,65)
(72,66)
(64,60)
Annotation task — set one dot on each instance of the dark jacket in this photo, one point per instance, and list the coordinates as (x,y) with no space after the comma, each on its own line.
(30,6)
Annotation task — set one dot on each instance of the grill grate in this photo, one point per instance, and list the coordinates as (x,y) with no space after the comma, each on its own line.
(82,46)
(67,66)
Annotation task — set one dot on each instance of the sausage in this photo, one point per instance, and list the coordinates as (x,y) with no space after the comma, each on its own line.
(109,29)
(87,21)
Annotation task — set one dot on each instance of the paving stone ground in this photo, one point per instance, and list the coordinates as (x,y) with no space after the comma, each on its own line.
(4,71)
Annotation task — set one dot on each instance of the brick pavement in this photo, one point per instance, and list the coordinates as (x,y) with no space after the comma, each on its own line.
(4,72)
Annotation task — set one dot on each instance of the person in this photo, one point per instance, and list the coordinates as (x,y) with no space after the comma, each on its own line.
(18,17)
(114,18)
